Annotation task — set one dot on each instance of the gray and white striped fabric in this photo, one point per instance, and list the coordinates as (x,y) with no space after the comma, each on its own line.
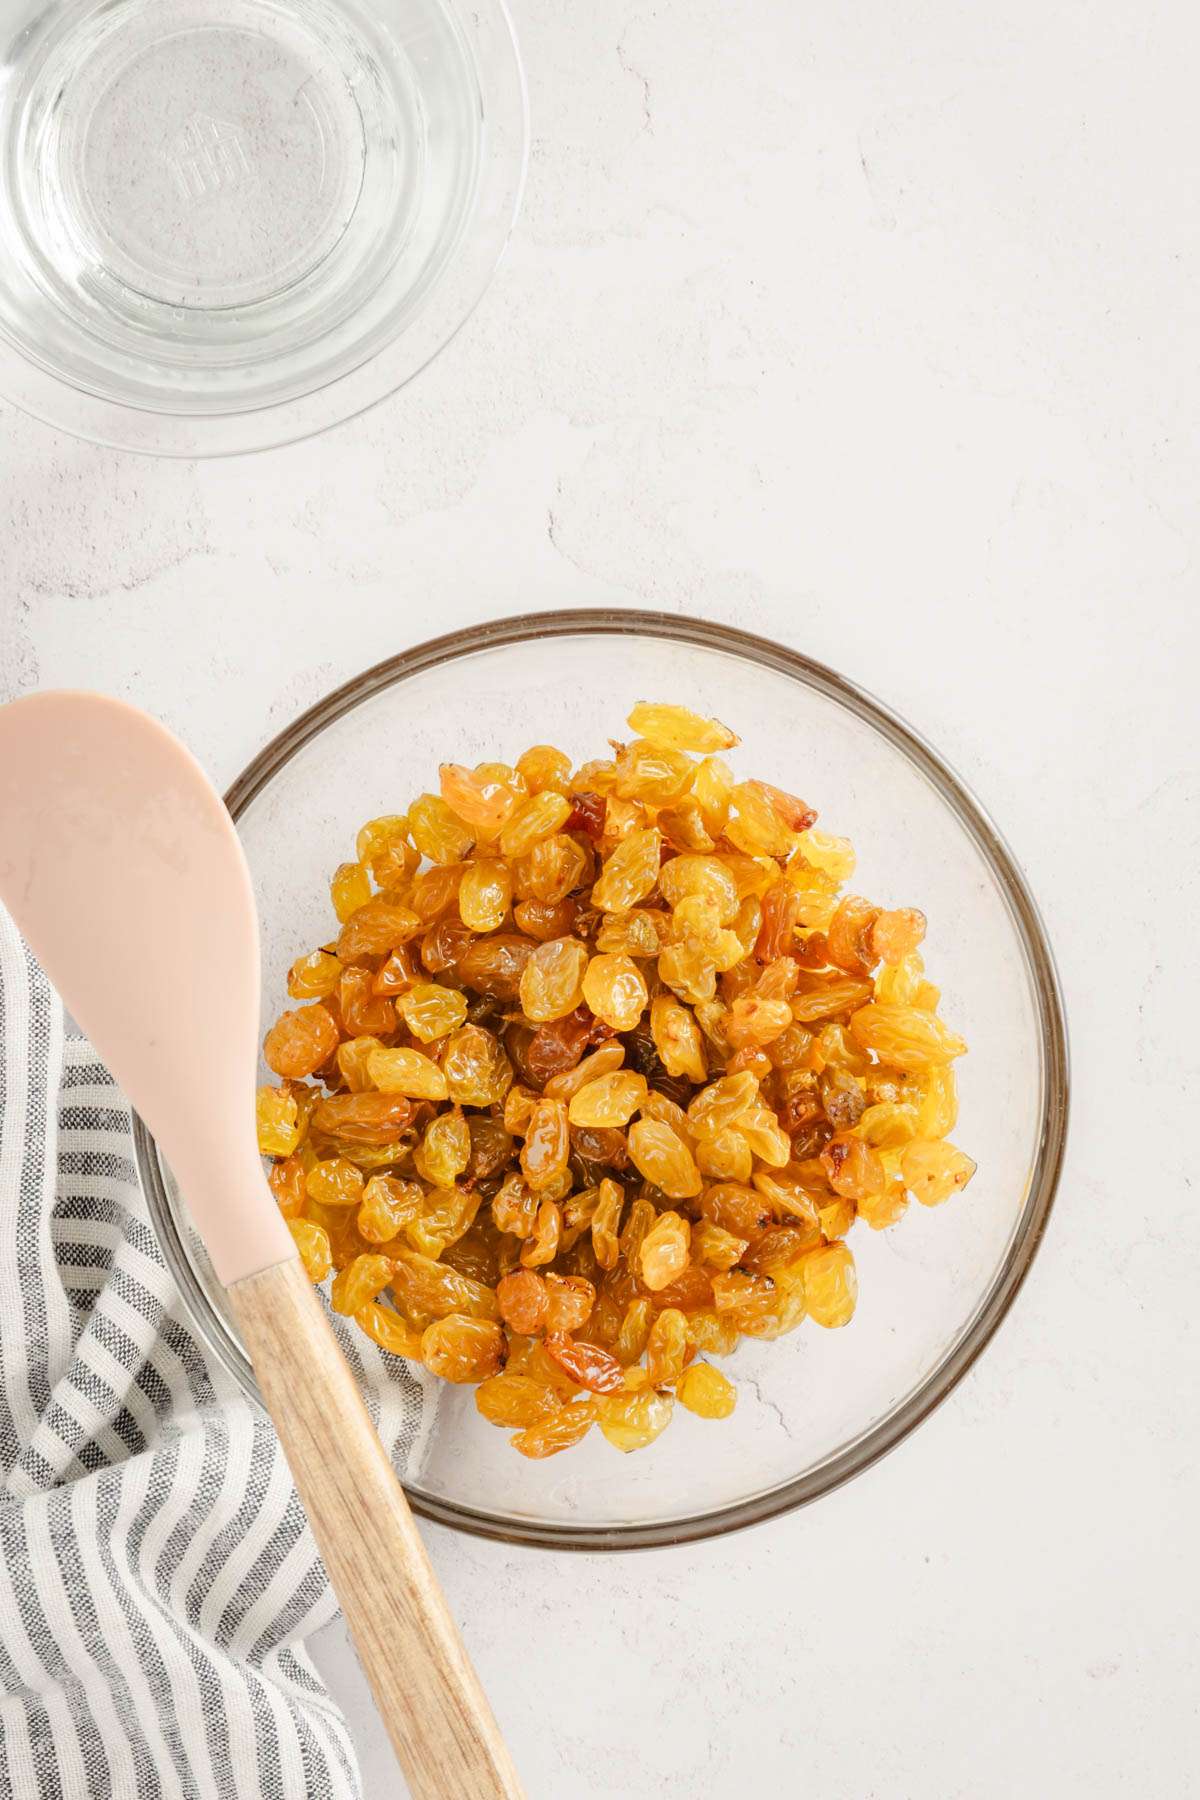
(157,1576)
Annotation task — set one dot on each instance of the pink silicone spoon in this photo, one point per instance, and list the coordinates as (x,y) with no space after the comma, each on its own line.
(122,868)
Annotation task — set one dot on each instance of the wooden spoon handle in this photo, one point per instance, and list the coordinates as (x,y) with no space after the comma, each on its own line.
(428,1695)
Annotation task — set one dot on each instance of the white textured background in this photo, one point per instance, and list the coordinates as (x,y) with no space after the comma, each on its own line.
(876,328)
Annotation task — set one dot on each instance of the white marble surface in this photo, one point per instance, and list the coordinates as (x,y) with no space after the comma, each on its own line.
(875,328)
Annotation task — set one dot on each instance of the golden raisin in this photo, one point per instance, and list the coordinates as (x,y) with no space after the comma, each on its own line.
(631,1421)
(476,1070)
(387,1329)
(313,1245)
(664,1252)
(437,832)
(359,1282)
(374,930)
(678,728)
(614,989)
(484,894)
(277,1117)
(430,1010)
(541,1246)
(547,1143)
(536,818)
(667,1347)
(445,1149)
(661,1156)
(382,845)
(570,1299)
(515,1400)
(830,1285)
(482,802)
(677,1038)
(542,766)
(460,1348)
(366,1118)
(560,1431)
(349,889)
(630,873)
(407,1072)
(587,1364)
(706,1392)
(388,1205)
(314,977)
(299,1042)
(905,1037)
(552,979)
(934,1170)
(608,1100)
(335,1183)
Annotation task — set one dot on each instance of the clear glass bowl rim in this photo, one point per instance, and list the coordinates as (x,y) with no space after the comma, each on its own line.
(888,1432)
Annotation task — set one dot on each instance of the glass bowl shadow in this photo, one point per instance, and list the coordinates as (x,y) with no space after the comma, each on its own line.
(816,1407)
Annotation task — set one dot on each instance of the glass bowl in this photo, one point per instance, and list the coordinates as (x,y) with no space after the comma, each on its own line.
(227,224)
(815,1407)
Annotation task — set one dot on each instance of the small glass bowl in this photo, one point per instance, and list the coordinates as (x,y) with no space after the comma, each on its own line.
(227,224)
(815,1407)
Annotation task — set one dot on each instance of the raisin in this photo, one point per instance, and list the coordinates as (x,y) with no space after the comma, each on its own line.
(387,1329)
(664,1252)
(609,1100)
(830,1285)
(277,1120)
(570,1299)
(587,814)
(587,1364)
(364,1012)
(367,1118)
(515,1400)
(374,930)
(359,1282)
(543,919)
(459,1348)
(314,977)
(493,965)
(312,1243)
(614,989)
(934,1171)
(299,1042)
(552,980)
(631,1421)
(485,894)
(678,728)
(560,1431)
(905,1037)
(558,1045)
(706,1392)
(662,1156)
(547,1144)
(524,1302)
(630,873)
(483,803)
(349,889)
(437,832)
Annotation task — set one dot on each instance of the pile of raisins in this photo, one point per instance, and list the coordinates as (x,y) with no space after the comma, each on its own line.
(595,1078)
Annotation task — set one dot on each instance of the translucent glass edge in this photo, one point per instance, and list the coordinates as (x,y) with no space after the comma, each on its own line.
(878,1439)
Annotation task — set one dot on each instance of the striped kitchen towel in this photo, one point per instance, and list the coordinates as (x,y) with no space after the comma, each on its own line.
(157,1576)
